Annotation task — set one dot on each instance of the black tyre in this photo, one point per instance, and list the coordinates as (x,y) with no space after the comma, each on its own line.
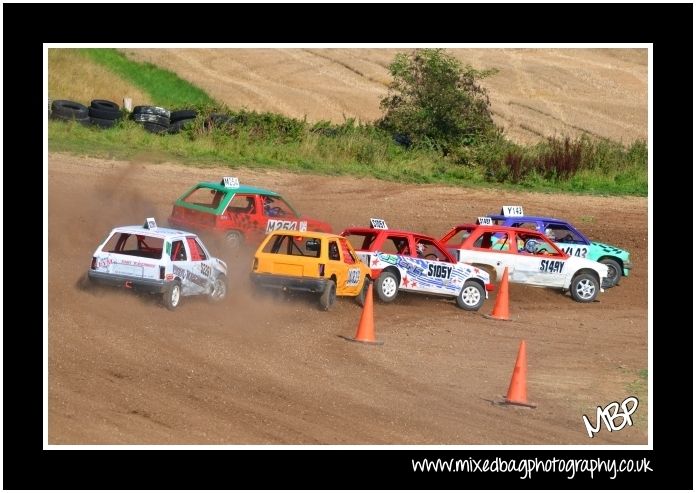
(100,122)
(172,296)
(362,295)
(328,297)
(219,289)
(471,297)
(614,271)
(234,239)
(155,128)
(103,104)
(175,116)
(83,121)
(180,125)
(584,288)
(152,110)
(387,286)
(68,110)
(104,114)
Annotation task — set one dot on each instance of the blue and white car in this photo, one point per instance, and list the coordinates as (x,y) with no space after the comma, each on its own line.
(165,261)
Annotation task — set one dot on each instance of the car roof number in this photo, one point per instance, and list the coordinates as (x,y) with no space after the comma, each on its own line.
(512,211)
(230,182)
(378,223)
(486,221)
(150,223)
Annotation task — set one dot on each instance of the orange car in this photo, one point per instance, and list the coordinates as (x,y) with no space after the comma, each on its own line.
(313,262)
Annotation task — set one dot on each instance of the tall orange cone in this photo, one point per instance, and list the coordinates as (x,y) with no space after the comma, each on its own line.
(366,326)
(501,309)
(517,392)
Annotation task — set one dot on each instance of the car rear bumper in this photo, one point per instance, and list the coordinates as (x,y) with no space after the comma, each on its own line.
(117,280)
(289,283)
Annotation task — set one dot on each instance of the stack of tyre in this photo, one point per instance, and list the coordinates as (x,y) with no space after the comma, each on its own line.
(159,120)
(102,113)
(181,119)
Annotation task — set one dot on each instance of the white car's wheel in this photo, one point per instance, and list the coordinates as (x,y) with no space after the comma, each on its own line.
(219,289)
(172,296)
(387,286)
(471,297)
(584,288)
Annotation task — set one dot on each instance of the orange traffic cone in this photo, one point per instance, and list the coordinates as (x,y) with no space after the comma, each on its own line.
(517,392)
(366,326)
(501,309)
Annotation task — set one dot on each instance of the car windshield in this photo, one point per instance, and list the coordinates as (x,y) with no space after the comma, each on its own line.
(275,206)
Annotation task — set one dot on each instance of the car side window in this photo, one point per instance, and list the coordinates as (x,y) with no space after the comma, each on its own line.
(197,253)
(333,251)
(562,233)
(201,250)
(276,207)
(396,244)
(241,204)
(429,250)
(484,240)
(178,251)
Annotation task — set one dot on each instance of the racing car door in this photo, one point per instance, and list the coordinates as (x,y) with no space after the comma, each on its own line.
(537,261)
(433,271)
(492,248)
(192,267)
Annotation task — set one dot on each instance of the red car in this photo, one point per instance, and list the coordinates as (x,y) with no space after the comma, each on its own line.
(406,261)
(243,214)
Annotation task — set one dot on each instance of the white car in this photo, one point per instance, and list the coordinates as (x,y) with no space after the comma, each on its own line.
(531,258)
(159,260)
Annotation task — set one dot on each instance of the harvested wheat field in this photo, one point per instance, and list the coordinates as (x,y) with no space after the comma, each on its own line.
(536,93)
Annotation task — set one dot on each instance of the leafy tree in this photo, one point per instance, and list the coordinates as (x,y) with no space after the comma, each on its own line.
(435,102)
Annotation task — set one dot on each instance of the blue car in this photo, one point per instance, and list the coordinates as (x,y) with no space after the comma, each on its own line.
(568,239)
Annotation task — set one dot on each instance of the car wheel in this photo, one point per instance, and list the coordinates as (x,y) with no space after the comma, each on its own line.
(328,297)
(234,239)
(362,295)
(219,289)
(584,288)
(471,297)
(387,286)
(614,273)
(172,296)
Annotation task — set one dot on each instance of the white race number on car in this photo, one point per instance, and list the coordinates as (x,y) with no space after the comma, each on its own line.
(353,277)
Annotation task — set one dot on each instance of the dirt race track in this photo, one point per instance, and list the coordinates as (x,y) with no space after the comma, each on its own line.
(124,370)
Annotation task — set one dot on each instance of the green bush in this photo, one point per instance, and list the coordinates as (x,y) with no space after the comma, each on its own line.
(434,101)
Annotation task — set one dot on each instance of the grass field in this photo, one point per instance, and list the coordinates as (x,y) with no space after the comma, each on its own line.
(278,141)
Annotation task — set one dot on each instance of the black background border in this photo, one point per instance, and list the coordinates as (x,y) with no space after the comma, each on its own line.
(669,27)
